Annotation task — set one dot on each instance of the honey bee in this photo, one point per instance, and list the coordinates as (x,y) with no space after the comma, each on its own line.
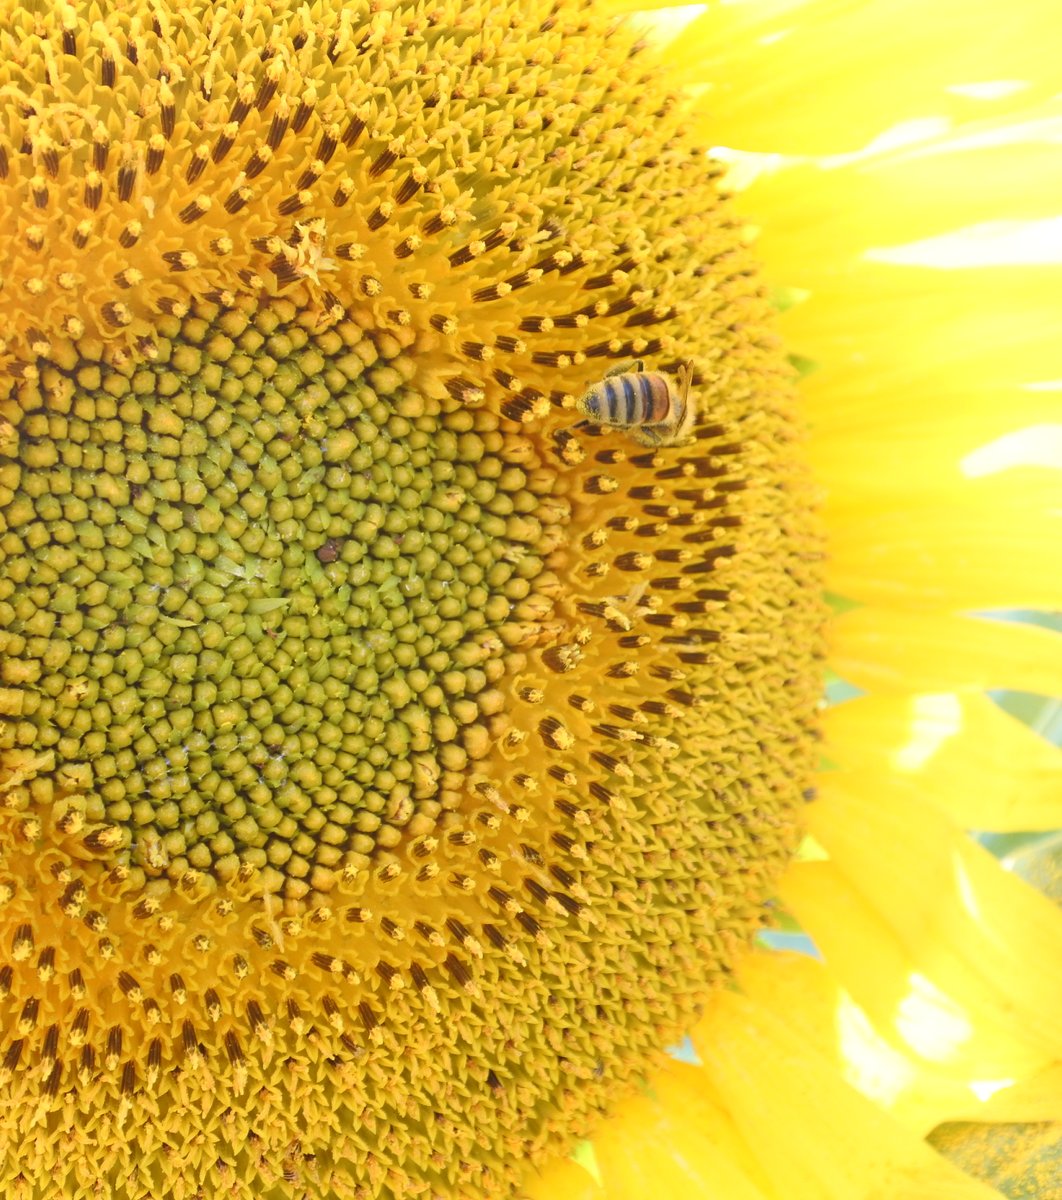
(655,409)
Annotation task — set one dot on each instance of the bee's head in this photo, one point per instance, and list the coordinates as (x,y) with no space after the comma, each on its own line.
(592,404)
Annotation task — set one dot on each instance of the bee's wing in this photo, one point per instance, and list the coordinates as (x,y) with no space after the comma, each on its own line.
(689,403)
(685,378)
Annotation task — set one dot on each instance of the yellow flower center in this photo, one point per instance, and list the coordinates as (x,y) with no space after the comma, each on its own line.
(392,759)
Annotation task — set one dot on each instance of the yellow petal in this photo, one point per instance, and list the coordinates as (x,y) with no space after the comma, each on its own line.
(815,215)
(944,949)
(841,404)
(683,1091)
(939,457)
(827,1019)
(958,751)
(817,1138)
(823,76)
(982,544)
(651,1148)
(1038,1098)
(887,323)
(969,1040)
(562,1180)
(880,649)
(939,452)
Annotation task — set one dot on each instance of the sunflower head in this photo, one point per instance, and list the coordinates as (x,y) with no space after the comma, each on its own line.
(390,762)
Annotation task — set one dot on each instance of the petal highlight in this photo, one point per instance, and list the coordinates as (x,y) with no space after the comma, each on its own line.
(953,935)
(826,1017)
(649,1148)
(819,76)
(817,1138)
(895,651)
(958,751)
(817,214)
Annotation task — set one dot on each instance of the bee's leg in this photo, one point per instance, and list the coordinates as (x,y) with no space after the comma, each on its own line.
(634,364)
(652,436)
(661,433)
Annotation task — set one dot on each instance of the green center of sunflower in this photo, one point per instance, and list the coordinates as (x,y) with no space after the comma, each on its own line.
(391,760)
(262,590)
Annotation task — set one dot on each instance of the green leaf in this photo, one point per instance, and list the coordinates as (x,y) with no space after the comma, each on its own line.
(584,1155)
(1022,1161)
(1039,862)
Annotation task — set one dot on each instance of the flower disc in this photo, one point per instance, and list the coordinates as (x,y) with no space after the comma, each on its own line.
(391,761)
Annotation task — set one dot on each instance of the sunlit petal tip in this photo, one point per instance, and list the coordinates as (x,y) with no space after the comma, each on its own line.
(660,1144)
(956,750)
(953,934)
(817,1137)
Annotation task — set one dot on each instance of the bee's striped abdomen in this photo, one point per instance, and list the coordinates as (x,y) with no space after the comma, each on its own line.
(635,398)
(655,409)
(658,400)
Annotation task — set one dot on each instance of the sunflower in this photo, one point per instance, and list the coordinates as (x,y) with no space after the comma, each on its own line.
(411,607)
